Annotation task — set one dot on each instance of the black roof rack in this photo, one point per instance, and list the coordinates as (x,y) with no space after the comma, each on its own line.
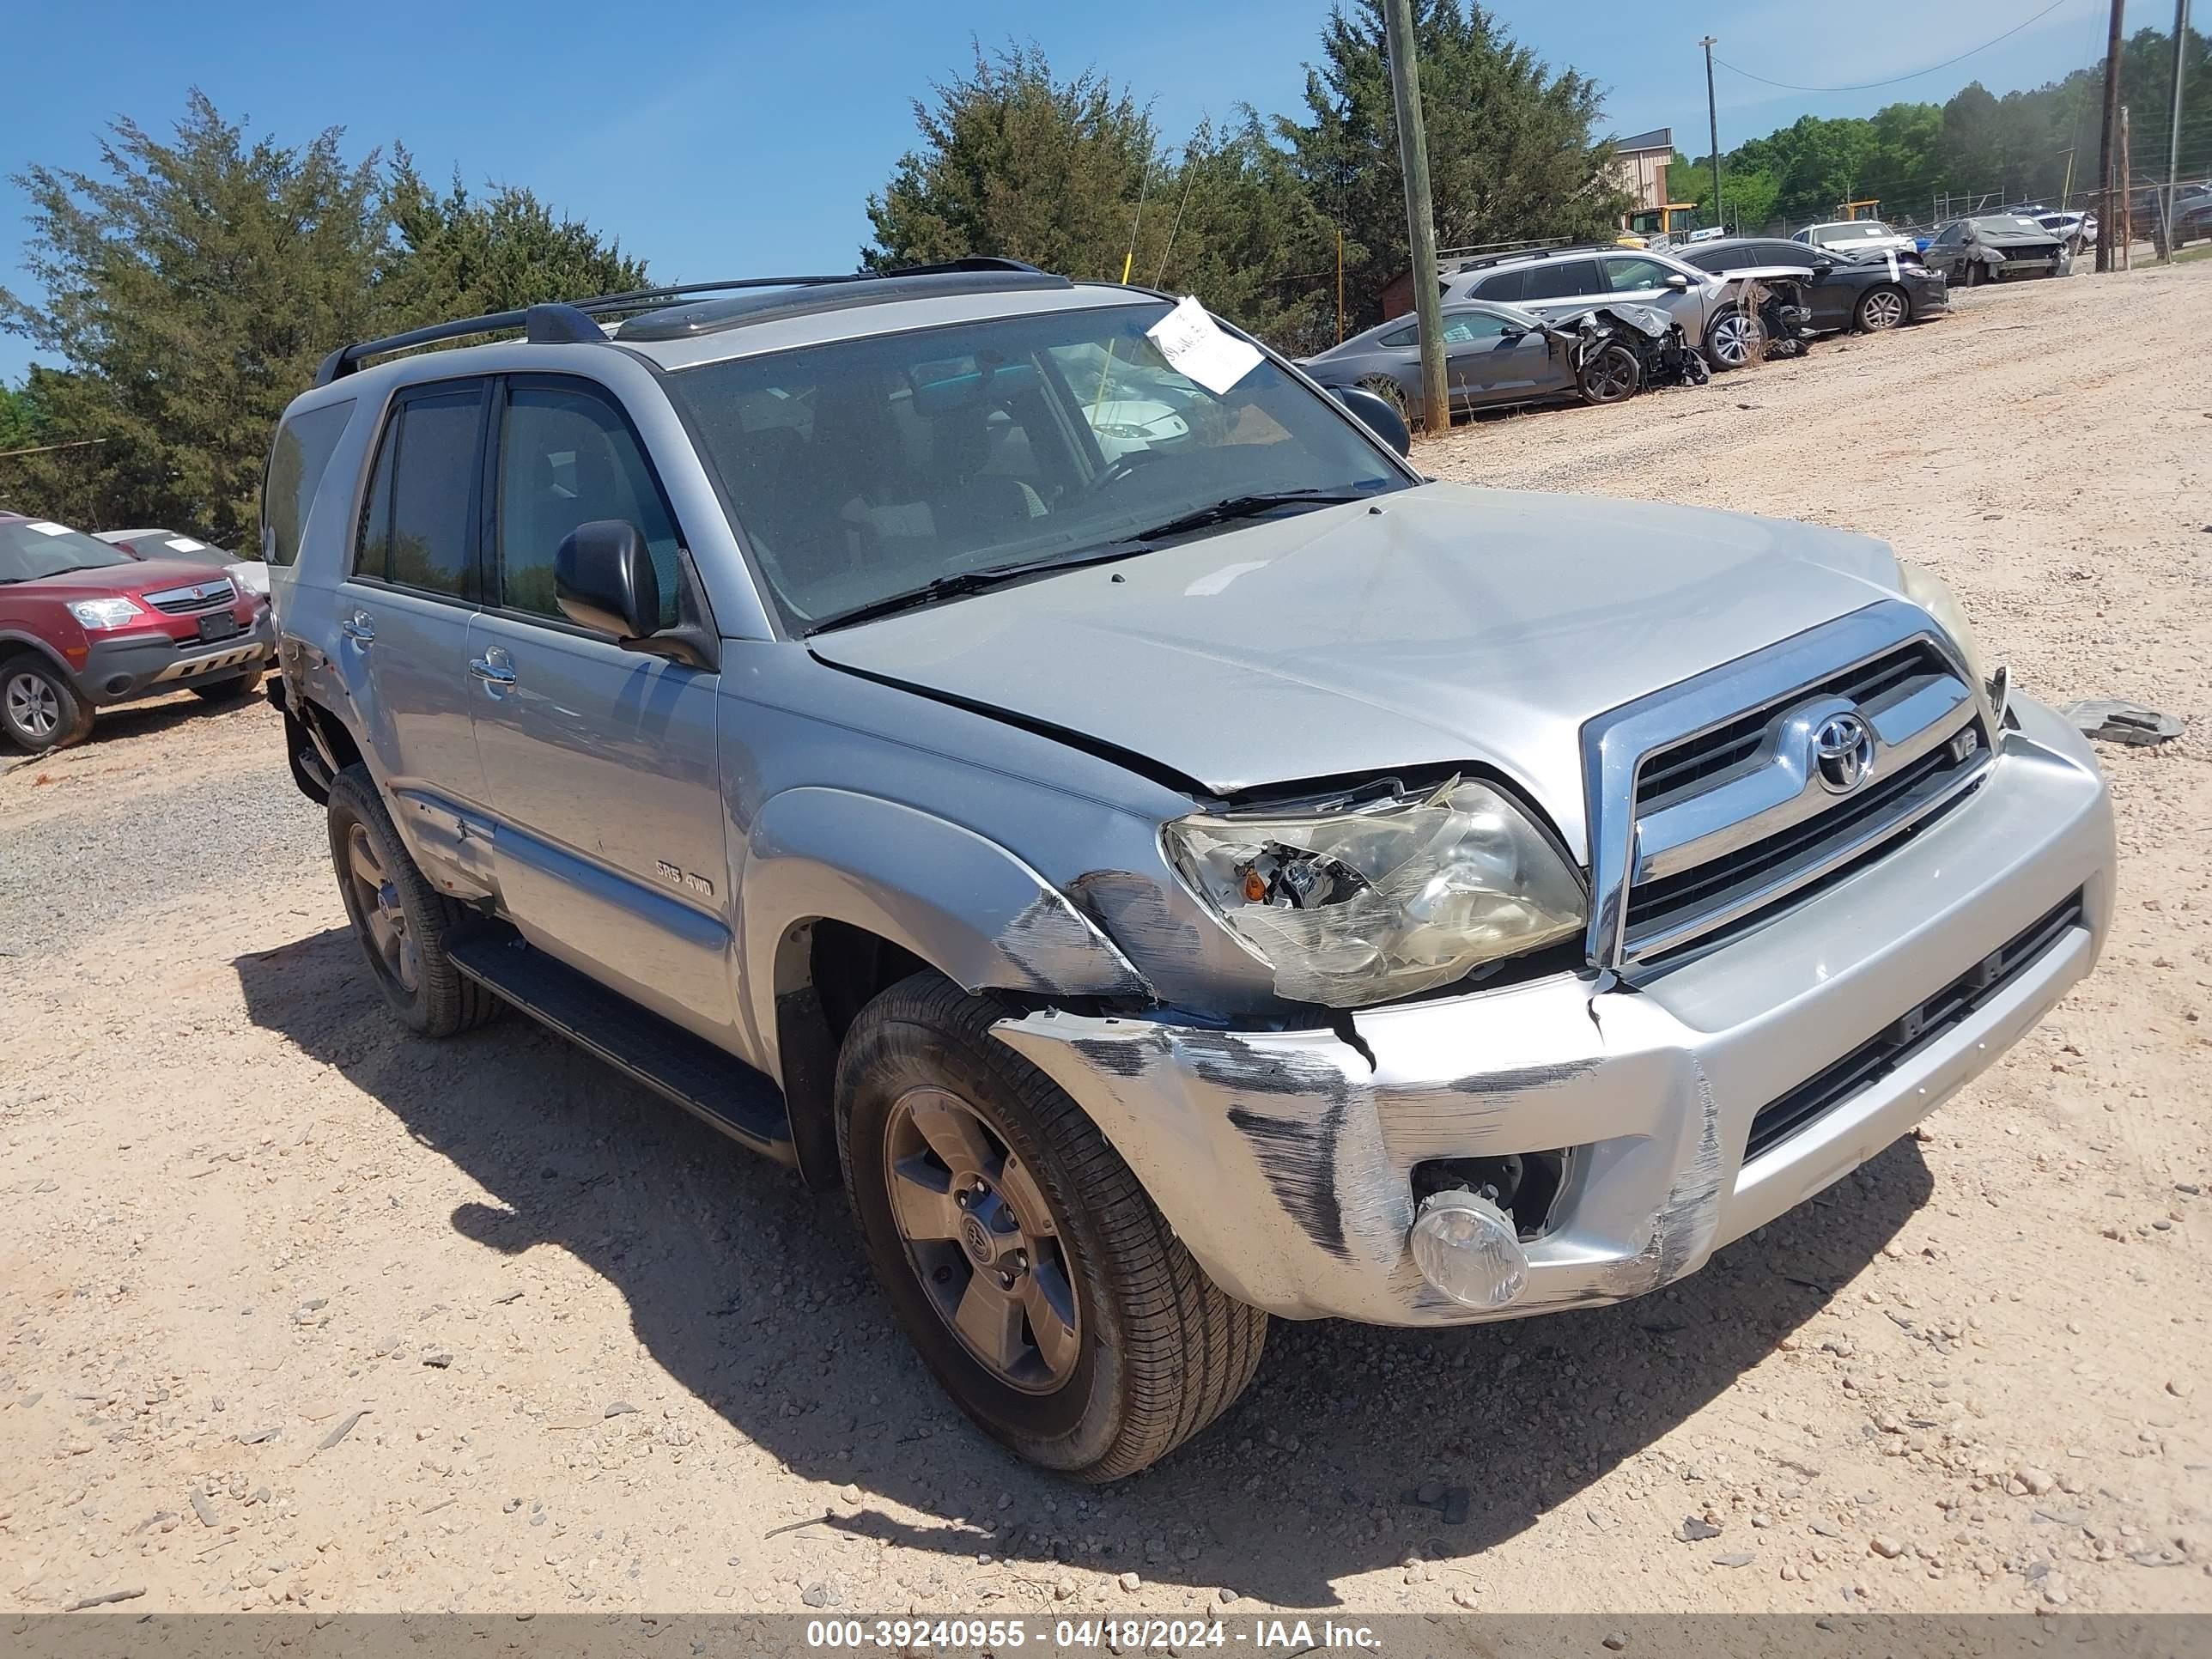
(570,321)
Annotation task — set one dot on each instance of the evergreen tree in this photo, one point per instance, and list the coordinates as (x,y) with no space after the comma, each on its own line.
(1512,157)
(189,291)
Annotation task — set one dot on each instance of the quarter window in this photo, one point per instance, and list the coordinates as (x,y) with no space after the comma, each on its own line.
(566,458)
(296,464)
(418,524)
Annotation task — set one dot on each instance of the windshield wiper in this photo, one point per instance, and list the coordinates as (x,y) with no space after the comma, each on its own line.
(962,582)
(1251,507)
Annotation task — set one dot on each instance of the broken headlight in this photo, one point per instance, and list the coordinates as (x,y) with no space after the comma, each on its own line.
(1932,594)
(1361,899)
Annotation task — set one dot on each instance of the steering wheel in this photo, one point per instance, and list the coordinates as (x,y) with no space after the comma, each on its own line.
(1129,461)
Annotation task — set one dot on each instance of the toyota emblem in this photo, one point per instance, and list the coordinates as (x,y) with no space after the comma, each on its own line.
(1843,753)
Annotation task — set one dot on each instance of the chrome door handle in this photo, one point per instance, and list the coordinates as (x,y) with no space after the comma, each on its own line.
(491,673)
(359,628)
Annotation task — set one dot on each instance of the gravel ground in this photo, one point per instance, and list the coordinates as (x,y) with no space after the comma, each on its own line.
(298,1310)
(173,798)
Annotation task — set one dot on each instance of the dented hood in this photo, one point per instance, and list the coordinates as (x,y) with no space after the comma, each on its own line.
(1442,624)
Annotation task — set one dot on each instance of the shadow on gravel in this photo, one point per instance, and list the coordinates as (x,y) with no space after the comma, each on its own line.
(749,1291)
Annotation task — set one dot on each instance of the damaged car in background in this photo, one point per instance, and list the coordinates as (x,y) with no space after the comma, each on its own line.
(1884,291)
(1996,247)
(1168,885)
(1497,355)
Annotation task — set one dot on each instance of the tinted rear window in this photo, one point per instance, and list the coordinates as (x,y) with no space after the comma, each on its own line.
(297,461)
(1507,285)
(1569,280)
(418,525)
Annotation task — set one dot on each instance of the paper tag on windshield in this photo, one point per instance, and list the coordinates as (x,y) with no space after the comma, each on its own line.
(46,528)
(1195,346)
(182,544)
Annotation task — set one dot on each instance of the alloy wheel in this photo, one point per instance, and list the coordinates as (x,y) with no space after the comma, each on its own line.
(381,911)
(1732,339)
(981,1240)
(34,709)
(1883,309)
(1613,377)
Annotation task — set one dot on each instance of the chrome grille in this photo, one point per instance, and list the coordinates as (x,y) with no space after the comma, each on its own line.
(1661,904)
(1673,769)
(211,595)
(1745,813)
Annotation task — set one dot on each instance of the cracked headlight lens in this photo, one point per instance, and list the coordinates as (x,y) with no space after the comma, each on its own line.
(1934,595)
(1363,900)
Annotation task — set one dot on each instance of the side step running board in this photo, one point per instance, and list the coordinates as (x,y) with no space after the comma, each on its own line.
(689,1070)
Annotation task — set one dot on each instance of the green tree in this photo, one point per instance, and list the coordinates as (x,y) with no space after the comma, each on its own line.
(1071,176)
(189,290)
(1512,157)
(460,255)
(23,420)
(1013,162)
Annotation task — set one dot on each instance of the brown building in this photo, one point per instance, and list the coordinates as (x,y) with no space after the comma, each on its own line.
(1639,166)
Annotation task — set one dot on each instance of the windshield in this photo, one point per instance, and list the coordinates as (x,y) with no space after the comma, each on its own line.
(866,468)
(1864,230)
(2009,222)
(32,548)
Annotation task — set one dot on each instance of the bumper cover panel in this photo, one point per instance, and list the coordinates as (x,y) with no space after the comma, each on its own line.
(1283,1158)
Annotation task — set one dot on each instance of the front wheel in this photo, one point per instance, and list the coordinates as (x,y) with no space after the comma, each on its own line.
(1019,1254)
(1882,308)
(39,708)
(1612,376)
(1734,340)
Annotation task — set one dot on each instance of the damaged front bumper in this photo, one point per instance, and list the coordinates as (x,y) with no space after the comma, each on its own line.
(1285,1159)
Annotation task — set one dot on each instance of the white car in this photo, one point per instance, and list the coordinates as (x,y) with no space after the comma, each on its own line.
(1124,425)
(1855,238)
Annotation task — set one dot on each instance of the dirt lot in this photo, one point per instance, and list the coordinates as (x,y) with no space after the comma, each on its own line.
(300,1310)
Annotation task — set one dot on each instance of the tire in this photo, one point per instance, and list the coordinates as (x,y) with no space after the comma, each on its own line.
(229,690)
(1882,308)
(1613,376)
(401,920)
(1145,1349)
(1733,341)
(40,709)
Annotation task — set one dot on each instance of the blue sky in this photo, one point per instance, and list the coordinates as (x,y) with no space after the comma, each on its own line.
(728,139)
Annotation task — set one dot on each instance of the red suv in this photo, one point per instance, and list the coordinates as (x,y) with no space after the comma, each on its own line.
(83,624)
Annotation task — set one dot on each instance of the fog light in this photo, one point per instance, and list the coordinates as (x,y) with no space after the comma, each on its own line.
(1466,1247)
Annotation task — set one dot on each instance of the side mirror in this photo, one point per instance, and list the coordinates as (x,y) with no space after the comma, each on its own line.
(1378,413)
(604,578)
(1678,281)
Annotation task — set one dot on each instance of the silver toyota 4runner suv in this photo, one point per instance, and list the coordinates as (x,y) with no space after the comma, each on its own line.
(1172,865)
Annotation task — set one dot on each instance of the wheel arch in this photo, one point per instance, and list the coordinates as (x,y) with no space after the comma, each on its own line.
(845,894)
(15,643)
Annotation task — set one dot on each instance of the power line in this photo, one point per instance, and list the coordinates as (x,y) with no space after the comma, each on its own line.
(1869,86)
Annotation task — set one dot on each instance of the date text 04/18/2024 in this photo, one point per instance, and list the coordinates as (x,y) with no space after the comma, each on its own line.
(1131,1633)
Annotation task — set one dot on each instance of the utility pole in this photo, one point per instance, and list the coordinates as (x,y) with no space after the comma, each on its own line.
(1713,122)
(2128,202)
(1421,219)
(2173,128)
(2108,221)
